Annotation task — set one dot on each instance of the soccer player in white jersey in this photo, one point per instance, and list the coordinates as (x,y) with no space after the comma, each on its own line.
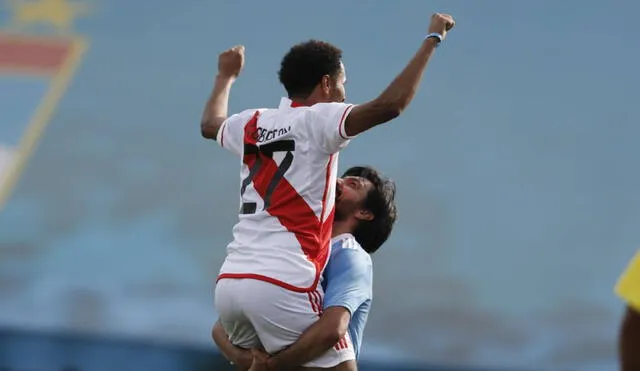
(289,156)
(347,279)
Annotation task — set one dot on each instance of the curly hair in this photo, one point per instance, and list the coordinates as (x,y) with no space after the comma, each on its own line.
(381,203)
(303,67)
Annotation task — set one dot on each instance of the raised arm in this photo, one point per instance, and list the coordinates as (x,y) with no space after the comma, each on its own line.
(397,96)
(230,63)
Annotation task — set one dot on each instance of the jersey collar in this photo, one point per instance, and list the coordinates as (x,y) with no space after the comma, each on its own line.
(288,103)
(342,236)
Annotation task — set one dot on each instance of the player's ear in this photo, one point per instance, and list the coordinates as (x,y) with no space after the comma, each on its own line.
(364,215)
(325,84)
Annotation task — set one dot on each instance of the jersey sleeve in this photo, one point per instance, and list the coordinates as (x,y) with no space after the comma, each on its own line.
(349,280)
(231,133)
(628,286)
(325,124)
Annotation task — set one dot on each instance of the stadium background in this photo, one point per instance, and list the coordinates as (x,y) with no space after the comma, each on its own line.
(516,169)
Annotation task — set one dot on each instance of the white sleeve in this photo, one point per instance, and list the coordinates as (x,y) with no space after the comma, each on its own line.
(325,124)
(231,132)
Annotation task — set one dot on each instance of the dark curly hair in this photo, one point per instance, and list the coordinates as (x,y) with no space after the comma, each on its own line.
(381,203)
(305,64)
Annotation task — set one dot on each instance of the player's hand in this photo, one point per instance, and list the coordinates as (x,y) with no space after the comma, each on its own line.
(441,23)
(231,61)
(259,360)
(244,360)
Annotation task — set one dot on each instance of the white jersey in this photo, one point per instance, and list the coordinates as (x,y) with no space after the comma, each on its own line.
(287,192)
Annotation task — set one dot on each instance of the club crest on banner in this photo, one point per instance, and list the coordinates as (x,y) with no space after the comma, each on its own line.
(39,54)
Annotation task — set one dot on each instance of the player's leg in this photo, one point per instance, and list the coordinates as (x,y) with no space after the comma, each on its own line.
(630,341)
(237,328)
(280,316)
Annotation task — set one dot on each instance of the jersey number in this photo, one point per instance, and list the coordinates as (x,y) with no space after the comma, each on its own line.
(260,152)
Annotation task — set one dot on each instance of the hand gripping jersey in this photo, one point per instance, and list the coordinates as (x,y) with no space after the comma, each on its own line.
(287,191)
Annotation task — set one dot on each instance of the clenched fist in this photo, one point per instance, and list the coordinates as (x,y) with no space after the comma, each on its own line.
(441,23)
(231,61)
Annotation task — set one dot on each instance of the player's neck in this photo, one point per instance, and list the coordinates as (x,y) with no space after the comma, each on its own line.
(341,227)
(315,97)
(298,102)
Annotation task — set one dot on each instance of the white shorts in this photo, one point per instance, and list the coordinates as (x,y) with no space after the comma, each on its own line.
(255,313)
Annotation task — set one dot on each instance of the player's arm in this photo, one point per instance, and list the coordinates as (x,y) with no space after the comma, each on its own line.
(349,277)
(397,96)
(230,63)
(314,341)
(242,358)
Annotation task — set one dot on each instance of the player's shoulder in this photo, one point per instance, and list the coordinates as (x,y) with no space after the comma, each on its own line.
(322,109)
(253,111)
(346,242)
(246,115)
(329,105)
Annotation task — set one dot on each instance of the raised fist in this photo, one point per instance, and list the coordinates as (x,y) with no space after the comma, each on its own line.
(231,61)
(441,23)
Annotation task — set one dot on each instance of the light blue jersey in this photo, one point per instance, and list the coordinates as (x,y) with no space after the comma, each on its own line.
(348,282)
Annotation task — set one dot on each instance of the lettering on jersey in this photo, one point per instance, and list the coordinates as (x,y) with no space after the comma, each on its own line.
(263,135)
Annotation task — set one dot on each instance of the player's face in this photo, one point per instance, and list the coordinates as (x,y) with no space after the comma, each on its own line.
(337,90)
(351,194)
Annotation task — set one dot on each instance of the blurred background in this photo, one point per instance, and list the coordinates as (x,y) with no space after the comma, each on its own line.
(519,202)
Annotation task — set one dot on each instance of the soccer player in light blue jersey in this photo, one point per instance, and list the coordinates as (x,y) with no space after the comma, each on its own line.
(365,215)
